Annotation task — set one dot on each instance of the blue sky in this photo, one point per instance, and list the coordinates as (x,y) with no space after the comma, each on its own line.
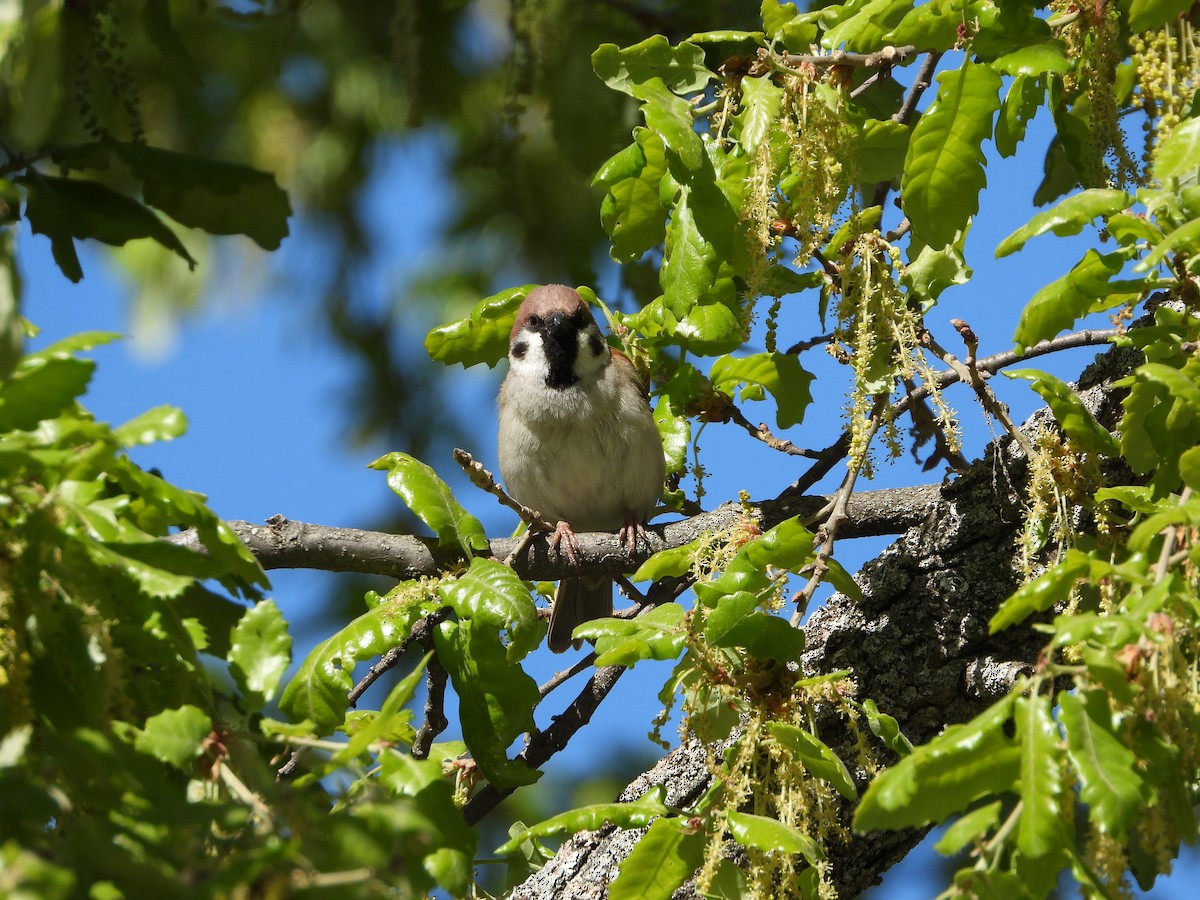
(265,395)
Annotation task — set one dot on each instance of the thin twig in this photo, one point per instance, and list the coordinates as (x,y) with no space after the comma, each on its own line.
(566,674)
(801,346)
(484,480)
(884,57)
(435,721)
(763,433)
(1170,536)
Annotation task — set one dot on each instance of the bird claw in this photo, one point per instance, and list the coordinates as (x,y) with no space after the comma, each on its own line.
(564,536)
(630,532)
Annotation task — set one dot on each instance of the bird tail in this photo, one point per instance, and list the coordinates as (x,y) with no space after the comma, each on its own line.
(576,601)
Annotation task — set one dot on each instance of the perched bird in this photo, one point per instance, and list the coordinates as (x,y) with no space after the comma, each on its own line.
(578,442)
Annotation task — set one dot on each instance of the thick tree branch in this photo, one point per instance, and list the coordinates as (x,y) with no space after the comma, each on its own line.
(281,543)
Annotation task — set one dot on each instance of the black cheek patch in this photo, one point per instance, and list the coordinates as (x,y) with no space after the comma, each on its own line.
(595,345)
(519,349)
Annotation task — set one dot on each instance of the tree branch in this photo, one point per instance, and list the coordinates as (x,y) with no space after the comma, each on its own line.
(285,544)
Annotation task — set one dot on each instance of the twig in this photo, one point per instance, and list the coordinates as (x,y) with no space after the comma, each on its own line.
(837,515)
(435,721)
(830,268)
(801,346)
(484,480)
(969,373)
(566,674)
(1170,536)
(884,57)
(763,433)
(544,744)
(386,662)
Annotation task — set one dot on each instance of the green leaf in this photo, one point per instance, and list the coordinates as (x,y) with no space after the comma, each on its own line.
(1051,587)
(935,270)
(1042,828)
(880,156)
(961,765)
(1105,767)
(1034,59)
(1179,155)
(669,563)
(495,698)
(212,195)
(40,390)
(432,500)
(736,622)
(492,594)
(782,22)
(787,546)
(670,117)
(934,25)
(657,634)
(1022,102)
(482,337)
(970,827)
(1075,418)
(260,650)
(779,374)
(1087,288)
(318,689)
(69,209)
(588,818)
(944,169)
(862,26)
(1189,468)
(1146,15)
(163,423)
(816,755)
(660,862)
(761,104)
(680,68)
(1184,240)
(631,212)
(384,726)
(771,835)
(676,434)
(887,729)
(1068,216)
(175,736)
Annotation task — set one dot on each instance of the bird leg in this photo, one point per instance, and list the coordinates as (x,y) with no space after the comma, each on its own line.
(566,537)
(630,532)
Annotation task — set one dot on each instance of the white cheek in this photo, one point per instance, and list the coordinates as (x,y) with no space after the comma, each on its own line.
(588,362)
(533,364)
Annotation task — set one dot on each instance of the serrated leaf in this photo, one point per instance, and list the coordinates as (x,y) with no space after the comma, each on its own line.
(1105,767)
(669,563)
(670,116)
(1075,418)
(680,68)
(433,502)
(933,271)
(1088,288)
(970,827)
(771,835)
(1179,155)
(660,862)
(212,195)
(761,103)
(492,594)
(42,390)
(780,374)
(495,698)
(862,26)
(1068,216)
(260,651)
(318,690)
(482,337)
(787,546)
(934,25)
(1042,828)
(163,423)
(657,634)
(961,765)
(632,214)
(1051,587)
(1035,59)
(944,168)
(817,756)
(175,736)
(70,209)
(1022,102)
(588,818)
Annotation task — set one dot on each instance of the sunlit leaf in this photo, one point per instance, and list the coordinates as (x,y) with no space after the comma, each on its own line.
(492,594)
(1042,828)
(175,736)
(1089,287)
(817,756)
(482,337)
(660,862)
(259,653)
(432,500)
(1107,770)
(970,827)
(763,833)
(159,424)
(1067,217)
(943,172)
(680,68)
(1075,418)
(657,634)
(588,818)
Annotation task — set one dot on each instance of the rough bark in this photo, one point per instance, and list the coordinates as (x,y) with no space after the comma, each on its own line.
(917,643)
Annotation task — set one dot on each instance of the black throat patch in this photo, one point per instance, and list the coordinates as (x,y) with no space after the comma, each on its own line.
(561,348)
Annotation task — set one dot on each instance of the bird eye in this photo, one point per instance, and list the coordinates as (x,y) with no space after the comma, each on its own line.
(534,321)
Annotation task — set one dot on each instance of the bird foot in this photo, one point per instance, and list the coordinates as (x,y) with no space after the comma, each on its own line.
(630,532)
(564,536)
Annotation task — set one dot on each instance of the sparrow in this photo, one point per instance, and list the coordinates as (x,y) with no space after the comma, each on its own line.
(578,442)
